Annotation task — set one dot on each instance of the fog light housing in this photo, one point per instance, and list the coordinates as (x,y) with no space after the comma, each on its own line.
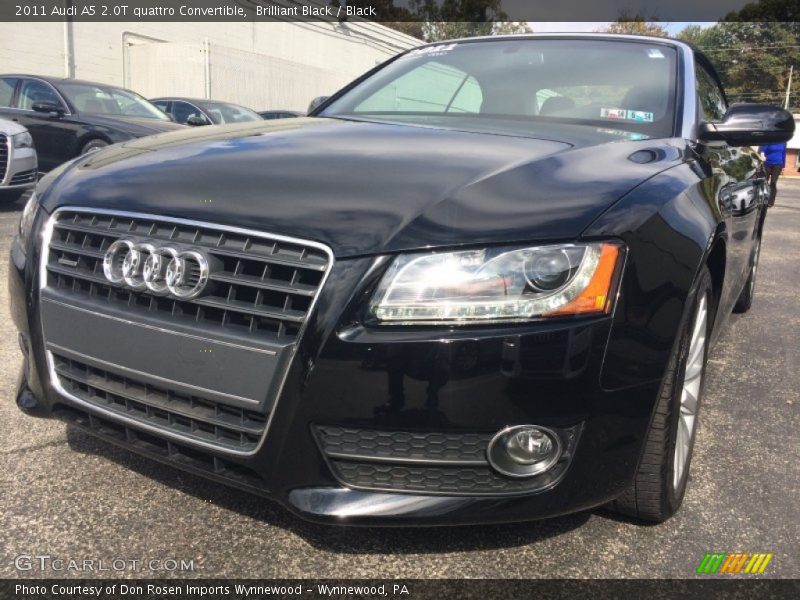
(524,450)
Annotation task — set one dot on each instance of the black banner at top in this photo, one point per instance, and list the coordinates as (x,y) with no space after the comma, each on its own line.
(397,10)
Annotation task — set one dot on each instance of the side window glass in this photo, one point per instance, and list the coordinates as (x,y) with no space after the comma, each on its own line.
(7,85)
(182,111)
(161,105)
(33,91)
(712,101)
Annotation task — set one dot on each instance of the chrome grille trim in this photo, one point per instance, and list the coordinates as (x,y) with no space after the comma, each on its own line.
(21,177)
(47,235)
(263,285)
(5,144)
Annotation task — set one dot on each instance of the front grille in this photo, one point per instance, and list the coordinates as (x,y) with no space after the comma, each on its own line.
(193,417)
(3,156)
(443,463)
(441,480)
(404,445)
(205,371)
(23,177)
(178,455)
(264,286)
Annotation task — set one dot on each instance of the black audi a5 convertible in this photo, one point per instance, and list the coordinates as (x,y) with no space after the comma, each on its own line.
(479,284)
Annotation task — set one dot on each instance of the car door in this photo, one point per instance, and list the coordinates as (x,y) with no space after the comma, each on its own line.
(55,137)
(738,183)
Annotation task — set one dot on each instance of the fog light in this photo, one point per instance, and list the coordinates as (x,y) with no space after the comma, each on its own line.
(524,450)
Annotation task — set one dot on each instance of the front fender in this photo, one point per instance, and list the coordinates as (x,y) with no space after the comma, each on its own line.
(669,224)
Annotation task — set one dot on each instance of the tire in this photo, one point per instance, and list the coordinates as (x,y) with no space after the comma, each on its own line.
(745,300)
(93,145)
(658,488)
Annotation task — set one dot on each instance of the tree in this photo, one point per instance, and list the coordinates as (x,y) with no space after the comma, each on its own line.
(786,11)
(635,25)
(448,19)
(752,58)
(508,27)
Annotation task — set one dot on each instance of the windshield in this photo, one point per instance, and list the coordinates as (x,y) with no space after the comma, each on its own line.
(222,112)
(514,85)
(97,100)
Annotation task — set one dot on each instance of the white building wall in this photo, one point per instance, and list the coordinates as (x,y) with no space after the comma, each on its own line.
(100,51)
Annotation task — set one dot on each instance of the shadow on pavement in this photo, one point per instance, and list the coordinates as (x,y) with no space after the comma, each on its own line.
(13,200)
(355,540)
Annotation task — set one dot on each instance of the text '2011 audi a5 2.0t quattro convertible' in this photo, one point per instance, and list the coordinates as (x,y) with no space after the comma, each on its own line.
(479,284)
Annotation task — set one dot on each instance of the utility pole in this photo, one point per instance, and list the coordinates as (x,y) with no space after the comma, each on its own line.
(788,88)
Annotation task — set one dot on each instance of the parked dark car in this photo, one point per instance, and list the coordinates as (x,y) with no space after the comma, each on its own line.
(69,117)
(479,284)
(192,111)
(268,115)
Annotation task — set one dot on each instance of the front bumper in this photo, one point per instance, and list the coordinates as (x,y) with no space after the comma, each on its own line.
(21,169)
(414,381)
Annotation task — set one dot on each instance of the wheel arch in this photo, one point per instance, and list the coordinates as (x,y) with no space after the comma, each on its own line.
(90,136)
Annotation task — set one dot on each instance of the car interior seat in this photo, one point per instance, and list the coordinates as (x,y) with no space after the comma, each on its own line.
(505,104)
(646,98)
(93,106)
(556,104)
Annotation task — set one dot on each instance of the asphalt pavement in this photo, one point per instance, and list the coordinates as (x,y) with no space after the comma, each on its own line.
(65,495)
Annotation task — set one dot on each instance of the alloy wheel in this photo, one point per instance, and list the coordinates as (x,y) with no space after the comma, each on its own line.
(690,392)
(754,268)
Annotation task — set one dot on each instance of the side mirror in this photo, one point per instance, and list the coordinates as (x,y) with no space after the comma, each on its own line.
(750,125)
(315,103)
(196,121)
(51,108)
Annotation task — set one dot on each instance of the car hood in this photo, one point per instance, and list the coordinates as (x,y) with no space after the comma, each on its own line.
(10,127)
(367,188)
(134,125)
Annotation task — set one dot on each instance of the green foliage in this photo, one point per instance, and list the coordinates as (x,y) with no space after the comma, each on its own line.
(752,58)
(635,24)
(787,11)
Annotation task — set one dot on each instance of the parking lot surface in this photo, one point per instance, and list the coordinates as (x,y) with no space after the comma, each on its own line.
(69,496)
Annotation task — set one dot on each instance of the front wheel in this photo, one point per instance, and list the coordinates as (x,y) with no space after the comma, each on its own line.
(660,483)
(93,145)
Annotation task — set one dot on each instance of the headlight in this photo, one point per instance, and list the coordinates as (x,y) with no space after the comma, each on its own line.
(26,221)
(498,284)
(23,140)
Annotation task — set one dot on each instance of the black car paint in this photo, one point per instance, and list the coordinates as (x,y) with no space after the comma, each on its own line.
(348,184)
(325,175)
(59,138)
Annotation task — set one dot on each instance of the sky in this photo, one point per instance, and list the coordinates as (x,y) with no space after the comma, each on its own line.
(673,28)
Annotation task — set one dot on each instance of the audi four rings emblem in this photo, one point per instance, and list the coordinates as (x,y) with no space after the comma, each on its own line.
(162,270)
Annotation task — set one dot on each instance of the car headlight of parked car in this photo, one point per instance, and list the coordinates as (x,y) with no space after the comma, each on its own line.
(23,140)
(27,219)
(498,284)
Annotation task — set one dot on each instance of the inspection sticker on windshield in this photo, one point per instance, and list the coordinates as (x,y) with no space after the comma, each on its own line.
(627,115)
(613,113)
(640,115)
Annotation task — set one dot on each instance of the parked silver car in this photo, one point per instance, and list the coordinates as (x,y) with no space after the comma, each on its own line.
(18,162)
